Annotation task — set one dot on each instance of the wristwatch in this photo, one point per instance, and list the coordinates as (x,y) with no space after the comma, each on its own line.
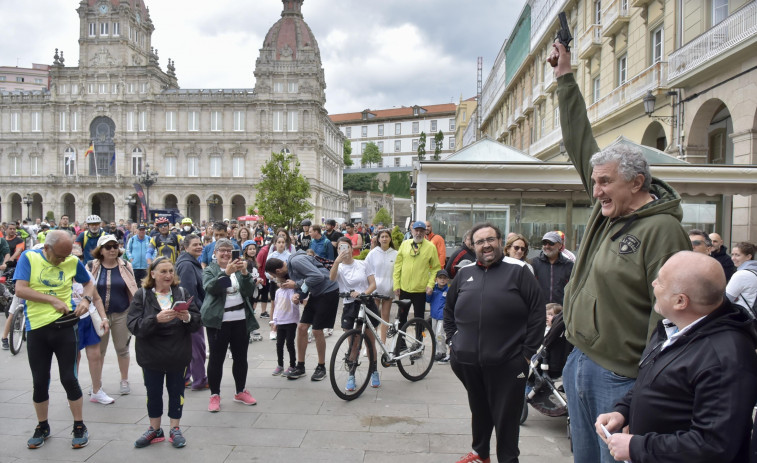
(89,299)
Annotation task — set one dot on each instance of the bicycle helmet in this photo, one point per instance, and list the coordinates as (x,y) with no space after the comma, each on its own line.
(161,221)
(247,243)
(186,221)
(93,219)
(306,223)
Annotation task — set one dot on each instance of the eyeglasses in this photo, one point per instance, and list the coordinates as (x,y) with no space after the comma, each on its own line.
(489,240)
(162,225)
(519,248)
(547,243)
(697,242)
(110,246)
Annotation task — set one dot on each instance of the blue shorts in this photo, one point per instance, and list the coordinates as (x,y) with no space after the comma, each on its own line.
(87,334)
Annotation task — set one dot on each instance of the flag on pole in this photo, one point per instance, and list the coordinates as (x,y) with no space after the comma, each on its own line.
(91,149)
(113,159)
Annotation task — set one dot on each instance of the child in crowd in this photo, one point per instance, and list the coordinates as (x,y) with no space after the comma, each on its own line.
(286,315)
(437,300)
(553,309)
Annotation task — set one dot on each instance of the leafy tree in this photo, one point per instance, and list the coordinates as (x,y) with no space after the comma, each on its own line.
(371,155)
(397,236)
(347,152)
(382,216)
(360,182)
(282,194)
(438,140)
(398,184)
(422,147)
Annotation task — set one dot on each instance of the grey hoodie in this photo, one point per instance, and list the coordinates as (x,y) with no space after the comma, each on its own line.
(302,268)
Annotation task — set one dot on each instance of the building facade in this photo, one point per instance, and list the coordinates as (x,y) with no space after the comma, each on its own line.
(466,126)
(397,132)
(36,77)
(205,145)
(694,60)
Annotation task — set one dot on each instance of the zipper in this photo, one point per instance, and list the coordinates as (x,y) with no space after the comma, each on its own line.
(480,316)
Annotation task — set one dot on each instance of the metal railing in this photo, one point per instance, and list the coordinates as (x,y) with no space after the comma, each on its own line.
(732,31)
(545,142)
(630,92)
(615,10)
(592,36)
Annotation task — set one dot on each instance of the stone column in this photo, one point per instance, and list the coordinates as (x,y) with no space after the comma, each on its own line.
(744,216)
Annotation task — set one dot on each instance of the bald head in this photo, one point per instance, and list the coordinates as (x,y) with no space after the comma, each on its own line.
(717,241)
(689,286)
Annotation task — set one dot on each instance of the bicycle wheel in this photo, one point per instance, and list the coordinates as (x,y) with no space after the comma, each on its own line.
(419,339)
(17,331)
(346,361)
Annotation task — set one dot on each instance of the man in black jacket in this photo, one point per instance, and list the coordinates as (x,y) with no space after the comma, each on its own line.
(465,251)
(719,253)
(552,269)
(697,385)
(494,321)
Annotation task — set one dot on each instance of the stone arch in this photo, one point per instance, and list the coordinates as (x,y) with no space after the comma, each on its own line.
(238,206)
(15,206)
(655,137)
(709,139)
(102,130)
(193,207)
(68,204)
(215,207)
(170,202)
(104,205)
(37,211)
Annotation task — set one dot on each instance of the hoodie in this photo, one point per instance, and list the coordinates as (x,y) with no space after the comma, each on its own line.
(608,300)
(742,288)
(189,270)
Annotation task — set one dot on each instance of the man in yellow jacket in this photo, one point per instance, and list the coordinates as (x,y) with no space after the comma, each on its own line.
(415,270)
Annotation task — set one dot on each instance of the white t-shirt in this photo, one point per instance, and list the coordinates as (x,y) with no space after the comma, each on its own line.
(353,277)
(233,298)
(743,283)
(383,266)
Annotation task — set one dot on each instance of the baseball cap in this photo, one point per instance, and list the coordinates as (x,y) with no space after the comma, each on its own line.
(106,239)
(141,227)
(552,236)
(419,224)
(442,273)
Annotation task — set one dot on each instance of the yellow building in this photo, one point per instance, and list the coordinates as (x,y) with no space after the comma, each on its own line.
(693,61)
(465,123)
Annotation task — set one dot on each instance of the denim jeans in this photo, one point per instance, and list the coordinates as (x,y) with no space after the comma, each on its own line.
(591,390)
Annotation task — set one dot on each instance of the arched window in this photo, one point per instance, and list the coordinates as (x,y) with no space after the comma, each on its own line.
(137,161)
(69,162)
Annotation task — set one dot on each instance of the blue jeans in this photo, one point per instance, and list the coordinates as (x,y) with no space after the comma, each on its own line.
(591,390)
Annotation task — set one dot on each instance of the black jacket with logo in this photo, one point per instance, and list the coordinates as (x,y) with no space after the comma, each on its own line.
(494,314)
(693,401)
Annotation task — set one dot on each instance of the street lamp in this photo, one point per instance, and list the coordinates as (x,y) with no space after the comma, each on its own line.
(649,101)
(148,179)
(212,201)
(28,200)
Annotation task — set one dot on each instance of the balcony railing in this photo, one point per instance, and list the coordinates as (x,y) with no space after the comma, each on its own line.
(590,41)
(614,17)
(527,105)
(549,80)
(545,142)
(630,92)
(734,30)
(538,93)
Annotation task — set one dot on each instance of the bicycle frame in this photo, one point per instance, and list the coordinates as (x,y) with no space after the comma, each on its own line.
(361,317)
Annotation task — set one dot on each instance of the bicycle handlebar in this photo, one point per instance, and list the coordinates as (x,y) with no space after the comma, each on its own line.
(365,297)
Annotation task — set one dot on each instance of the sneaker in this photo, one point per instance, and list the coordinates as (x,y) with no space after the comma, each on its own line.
(38,439)
(288,372)
(245,398)
(277,371)
(298,372)
(215,403)
(438,356)
(124,388)
(81,437)
(176,438)
(329,331)
(350,384)
(187,383)
(272,336)
(151,436)
(474,458)
(443,360)
(264,315)
(375,381)
(6,346)
(101,397)
(319,374)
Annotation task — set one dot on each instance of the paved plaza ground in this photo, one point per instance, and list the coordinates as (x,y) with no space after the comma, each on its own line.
(425,421)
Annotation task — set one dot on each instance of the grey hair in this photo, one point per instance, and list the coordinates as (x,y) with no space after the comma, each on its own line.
(631,162)
(53,236)
(223,243)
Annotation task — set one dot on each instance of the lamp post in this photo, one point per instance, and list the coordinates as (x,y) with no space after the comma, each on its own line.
(212,201)
(649,102)
(28,200)
(148,179)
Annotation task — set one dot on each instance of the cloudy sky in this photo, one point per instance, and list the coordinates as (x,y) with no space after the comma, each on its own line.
(376,54)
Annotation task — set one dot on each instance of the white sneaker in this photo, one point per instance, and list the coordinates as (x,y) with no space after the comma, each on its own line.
(329,331)
(101,397)
(272,336)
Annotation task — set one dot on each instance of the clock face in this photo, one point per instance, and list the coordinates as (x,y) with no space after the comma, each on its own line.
(103,9)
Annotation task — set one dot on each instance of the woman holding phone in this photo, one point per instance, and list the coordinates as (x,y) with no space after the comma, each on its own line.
(163,328)
(229,319)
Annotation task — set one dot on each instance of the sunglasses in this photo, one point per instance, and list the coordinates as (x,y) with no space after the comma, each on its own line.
(110,246)
(697,242)
(519,248)
(547,243)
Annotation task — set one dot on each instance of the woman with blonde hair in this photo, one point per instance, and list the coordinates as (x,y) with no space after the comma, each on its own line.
(517,248)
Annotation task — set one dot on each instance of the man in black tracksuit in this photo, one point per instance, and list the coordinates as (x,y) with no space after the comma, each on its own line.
(494,321)
(693,399)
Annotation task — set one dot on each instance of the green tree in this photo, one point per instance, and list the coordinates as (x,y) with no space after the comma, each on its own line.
(382,216)
(422,147)
(398,184)
(282,194)
(438,140)
(397,236)
(347,152)
(371,155)
(360,182)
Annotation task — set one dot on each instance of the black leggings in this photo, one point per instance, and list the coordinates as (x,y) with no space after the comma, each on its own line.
(232,335)
(286,333)
(419,305)
(41,344)
(174,386)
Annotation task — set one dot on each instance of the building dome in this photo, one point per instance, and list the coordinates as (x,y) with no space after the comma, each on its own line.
(290,38)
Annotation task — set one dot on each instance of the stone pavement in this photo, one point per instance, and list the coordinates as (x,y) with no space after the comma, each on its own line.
(425,421)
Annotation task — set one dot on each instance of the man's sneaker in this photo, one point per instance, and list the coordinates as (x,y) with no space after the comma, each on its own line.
(151,436)
(124,388)
(245,398)
(6,346)
(264,315)
(298,372)
(350,384)
(375,381)
(277,371)
(81,437)
(272,336)
(288,372)
(215,403)
(38,439)
(176,438)
(101,397)
(319,374)
(474,458)
(444,359)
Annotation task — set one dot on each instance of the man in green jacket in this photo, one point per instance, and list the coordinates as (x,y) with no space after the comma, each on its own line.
(634,227)
(415,270)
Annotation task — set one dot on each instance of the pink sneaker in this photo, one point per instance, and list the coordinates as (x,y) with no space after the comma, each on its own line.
(215,403)
(245,398)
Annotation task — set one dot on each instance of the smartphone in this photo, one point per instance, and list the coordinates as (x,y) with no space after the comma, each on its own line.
(235,254)
(344,247)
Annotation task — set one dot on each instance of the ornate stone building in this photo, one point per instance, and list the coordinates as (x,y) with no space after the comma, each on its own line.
(206,145)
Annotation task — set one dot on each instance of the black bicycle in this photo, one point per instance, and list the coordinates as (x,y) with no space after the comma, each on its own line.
(412,353)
